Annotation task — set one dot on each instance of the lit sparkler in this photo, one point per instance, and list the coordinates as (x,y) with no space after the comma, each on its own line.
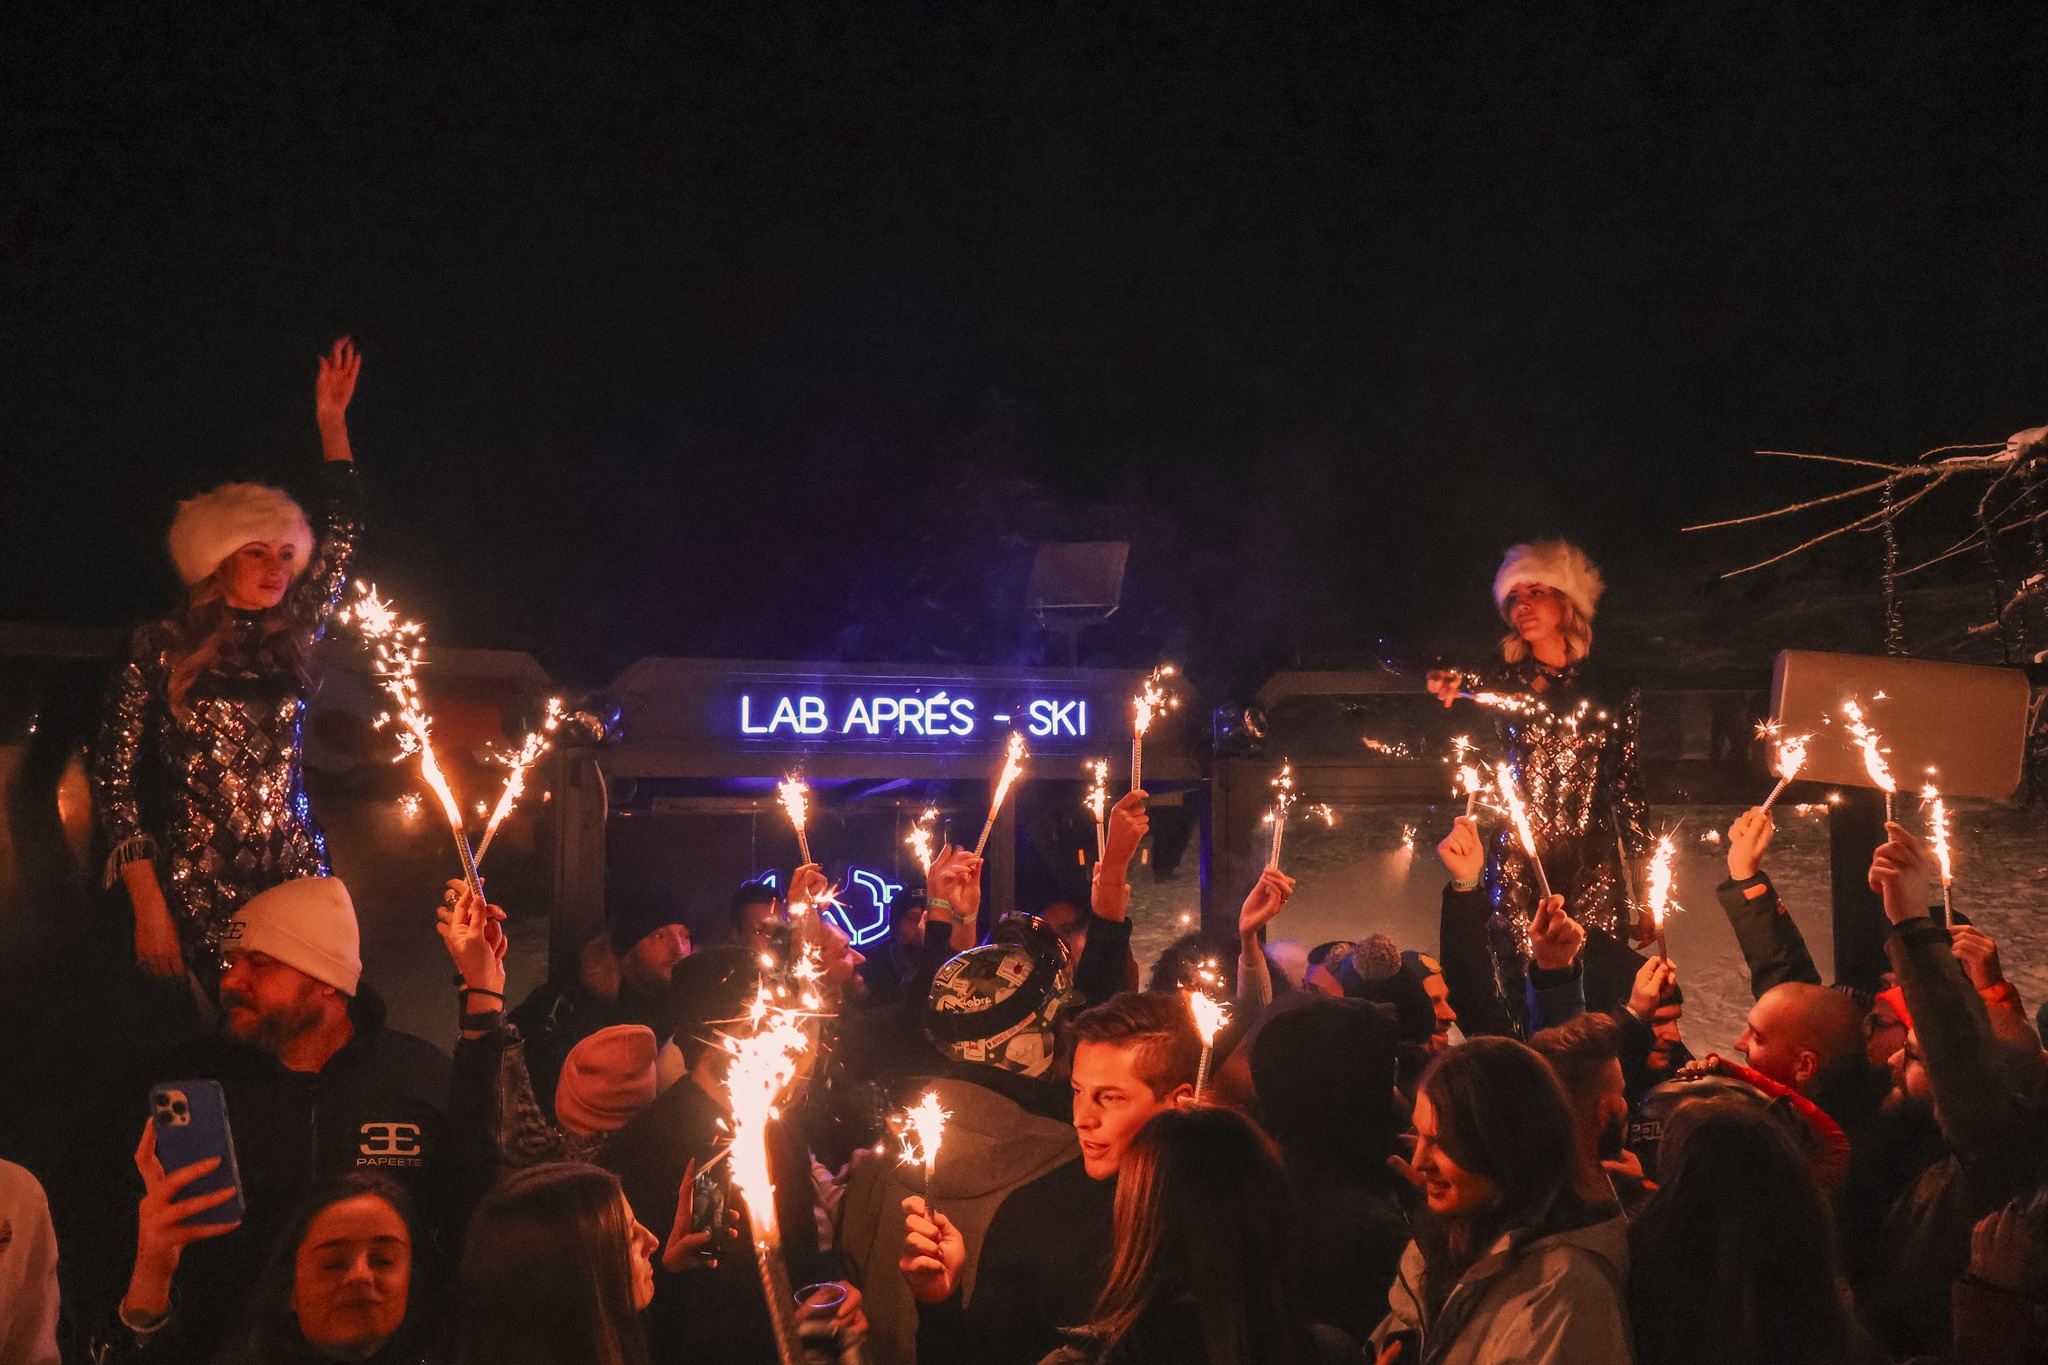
(920,840)
(1937,837)
(924,1128)
(796,799)
(1326,813)
(396,647)
(1210,1015)
(1152,698)
(1013,764)
(1873,756)
(1659,889)
(1097,802)
(763,1065)
(530,749)
(1283,797)
(1513,702)
(1791,758)
(1519,815)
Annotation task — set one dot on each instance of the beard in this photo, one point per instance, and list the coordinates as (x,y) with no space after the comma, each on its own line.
(273,1029)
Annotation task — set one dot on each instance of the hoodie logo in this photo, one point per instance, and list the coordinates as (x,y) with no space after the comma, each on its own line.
(390,1144)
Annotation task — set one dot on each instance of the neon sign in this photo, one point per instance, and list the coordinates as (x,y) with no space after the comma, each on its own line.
(881,715)
(864,928)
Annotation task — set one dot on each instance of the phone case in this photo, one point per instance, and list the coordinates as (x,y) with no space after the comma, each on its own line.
(708,1202)
(191,1119)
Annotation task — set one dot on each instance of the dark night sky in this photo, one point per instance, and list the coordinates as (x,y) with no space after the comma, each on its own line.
(778,330)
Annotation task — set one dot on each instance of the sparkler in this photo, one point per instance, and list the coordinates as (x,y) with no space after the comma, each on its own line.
(795,798)
(530,749)
(1097,802)
(1210,1015)
(1283,797)
(1468,776)
(1937,836)
(924,1128)
(920,840)
(1873,757)
(1791,758)
(1520,816)
(1150,701)
(1659,891)
(763,1065)
(1013,764)
(396,646)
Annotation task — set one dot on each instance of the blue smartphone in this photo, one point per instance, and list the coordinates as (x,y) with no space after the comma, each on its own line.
(191,1119)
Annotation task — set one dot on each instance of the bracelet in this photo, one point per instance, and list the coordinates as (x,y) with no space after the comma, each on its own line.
(1457,885)
(481,990)
(938,903)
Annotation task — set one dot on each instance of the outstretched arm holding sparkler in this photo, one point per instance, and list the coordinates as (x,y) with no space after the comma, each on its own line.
(934,1252)
(1110,890)
(1770,939)
(1462,944)
(1269,896)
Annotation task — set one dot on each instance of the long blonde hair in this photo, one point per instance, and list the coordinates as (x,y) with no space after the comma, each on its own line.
(199,632)
(1576,629)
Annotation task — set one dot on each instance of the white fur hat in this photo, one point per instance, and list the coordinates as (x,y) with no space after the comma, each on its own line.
(1555,564)
(308,923)
(215,524)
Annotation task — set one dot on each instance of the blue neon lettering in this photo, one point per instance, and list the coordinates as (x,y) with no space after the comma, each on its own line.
(785,714)
(811,715)
(747,727)
(909,714)
(883,716)
(1041,719)
(1084,719)
(963,717)
(857,714)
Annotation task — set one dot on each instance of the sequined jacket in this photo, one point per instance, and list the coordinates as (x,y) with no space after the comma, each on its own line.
(217,796)
(1572,748)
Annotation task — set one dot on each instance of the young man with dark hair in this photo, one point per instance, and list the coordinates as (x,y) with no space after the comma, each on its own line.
(1586,1055)
(1047,1250)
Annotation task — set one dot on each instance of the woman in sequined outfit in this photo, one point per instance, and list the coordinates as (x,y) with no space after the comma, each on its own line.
(1567,728)
(197,776)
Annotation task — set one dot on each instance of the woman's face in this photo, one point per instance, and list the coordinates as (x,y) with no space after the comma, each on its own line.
(642,1245)
(255,577)
(349,1286)
(1453,1191)
(1536,612)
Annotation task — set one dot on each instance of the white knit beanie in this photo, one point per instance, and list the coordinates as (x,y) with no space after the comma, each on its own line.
(1555,564)
(309,924)
(215,524)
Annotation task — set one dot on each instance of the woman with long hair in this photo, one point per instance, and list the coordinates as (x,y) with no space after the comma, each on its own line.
(556,1271)
(197,776)
(1509,1263)
(1734,1258)
(1205,1269)
(1567,728)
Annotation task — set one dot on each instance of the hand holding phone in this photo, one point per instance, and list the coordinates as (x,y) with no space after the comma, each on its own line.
(173,1213)
(704,1216)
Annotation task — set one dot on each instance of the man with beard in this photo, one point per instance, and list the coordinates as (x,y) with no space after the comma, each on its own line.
(315,1087)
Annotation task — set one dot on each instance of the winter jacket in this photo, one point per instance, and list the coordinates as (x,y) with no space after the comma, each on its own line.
(994,1145)
(379,1104)
(1555,1300)
(553,1019)
(1466,955)
(1771,942)
(1042,1265)
(491,1093)
(714,1315)
(1987,1099)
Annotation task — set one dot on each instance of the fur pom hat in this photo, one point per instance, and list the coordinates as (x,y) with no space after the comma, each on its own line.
(215,524)
(1555,564)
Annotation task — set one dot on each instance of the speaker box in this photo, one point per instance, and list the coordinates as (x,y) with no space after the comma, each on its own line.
(1967,723)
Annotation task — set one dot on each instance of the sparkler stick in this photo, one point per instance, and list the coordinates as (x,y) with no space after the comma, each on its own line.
(1873,758)
(920,839)
(1097,801)
(530,749)
(1520,817)
(1937,835)
(795,798)
(763,1065)
(1659,891)
(1283,797)
(1150,701)
(1468,776)
(1013,764)
(924,1129)
(1209,1016)
(1791,758)
(396,646)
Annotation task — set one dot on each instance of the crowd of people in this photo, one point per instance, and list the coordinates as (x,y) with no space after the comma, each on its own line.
(1493,1148)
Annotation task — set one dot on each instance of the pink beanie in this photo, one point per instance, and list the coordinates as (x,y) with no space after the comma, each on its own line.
(606,1079)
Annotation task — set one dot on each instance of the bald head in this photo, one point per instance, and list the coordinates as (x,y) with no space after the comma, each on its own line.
(1798,1031)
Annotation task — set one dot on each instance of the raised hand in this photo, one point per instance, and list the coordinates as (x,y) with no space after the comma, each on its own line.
(336,383)
(1463,854)
(1129,823)
(934,1253)
(161,1232)
(1654,980)
(1978,953)
(2006,1252)
(1555,938)
(1903,873)
(955,877)
(1444,684)
(807,886)
(1748,837)
(1268,898)
(472,932)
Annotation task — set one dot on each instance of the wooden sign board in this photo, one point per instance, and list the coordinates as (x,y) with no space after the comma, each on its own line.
(1969,724)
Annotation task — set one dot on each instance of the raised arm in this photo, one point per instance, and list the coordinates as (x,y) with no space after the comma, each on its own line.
(1269,896)
(341,527)
(1770,939)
